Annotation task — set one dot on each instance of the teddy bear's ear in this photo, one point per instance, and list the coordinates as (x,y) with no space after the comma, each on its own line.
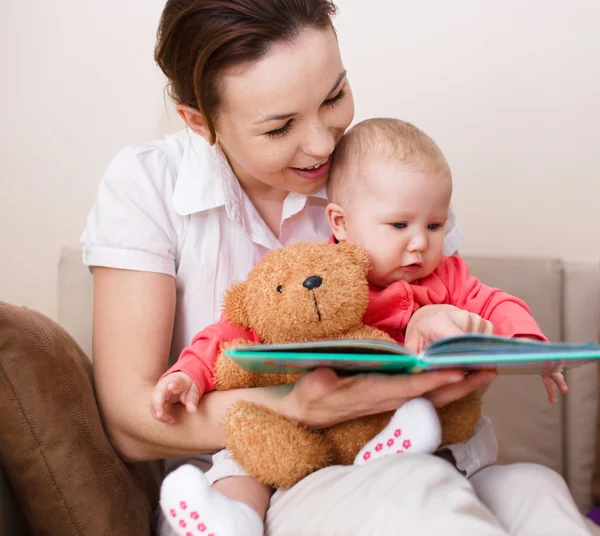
(234,304)
(356,254)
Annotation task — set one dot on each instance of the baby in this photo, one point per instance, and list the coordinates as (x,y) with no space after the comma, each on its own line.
(389,190)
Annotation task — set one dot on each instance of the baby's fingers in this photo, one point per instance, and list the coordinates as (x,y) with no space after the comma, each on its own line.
(560,381)
(176,386)
(158,404)
(191,398)
(549,385)
(550,380)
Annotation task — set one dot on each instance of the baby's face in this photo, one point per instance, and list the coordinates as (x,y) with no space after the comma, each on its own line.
(398,218)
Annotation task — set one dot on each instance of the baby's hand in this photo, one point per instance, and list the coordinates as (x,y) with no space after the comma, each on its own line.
(550,380)
(174,388)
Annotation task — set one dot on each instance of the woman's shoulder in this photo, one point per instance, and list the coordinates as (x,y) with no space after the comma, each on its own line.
(133,224)
(150,163)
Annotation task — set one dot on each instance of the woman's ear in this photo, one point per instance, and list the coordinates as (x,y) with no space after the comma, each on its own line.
(194,120)
(336,217)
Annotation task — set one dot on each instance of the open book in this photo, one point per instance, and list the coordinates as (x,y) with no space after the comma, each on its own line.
(467,352)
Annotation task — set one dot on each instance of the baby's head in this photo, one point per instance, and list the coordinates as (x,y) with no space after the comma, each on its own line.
(389,190)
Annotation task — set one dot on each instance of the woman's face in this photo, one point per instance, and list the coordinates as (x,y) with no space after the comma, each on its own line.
(281,118)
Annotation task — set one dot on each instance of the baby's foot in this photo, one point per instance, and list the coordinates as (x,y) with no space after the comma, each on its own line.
(415,427)
(193,508)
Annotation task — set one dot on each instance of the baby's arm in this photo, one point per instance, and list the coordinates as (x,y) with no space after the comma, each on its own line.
(510,316)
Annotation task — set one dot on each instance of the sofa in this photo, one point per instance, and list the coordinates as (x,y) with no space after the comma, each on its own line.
(565,299)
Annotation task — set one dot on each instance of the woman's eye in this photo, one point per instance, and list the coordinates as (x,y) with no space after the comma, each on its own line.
(400,225)
(335,99)
(280,132)
(434,226)
(280,289)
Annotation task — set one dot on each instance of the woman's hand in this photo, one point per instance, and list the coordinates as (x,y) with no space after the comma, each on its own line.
(321,398)
(433,322)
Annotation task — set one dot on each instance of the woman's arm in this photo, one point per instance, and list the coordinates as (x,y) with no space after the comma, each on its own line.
(133,323)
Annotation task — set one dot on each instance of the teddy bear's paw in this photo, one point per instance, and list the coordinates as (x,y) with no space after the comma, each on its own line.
(414,427)
(191,506)
(276,450)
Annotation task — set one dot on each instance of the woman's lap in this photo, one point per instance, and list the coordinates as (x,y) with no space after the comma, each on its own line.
(386,496)
(422,494)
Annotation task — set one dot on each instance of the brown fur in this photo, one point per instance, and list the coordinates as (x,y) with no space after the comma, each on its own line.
(459,419)
(272,301)
(257,436)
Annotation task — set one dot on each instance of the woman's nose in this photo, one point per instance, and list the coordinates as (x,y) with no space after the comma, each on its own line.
(320,141)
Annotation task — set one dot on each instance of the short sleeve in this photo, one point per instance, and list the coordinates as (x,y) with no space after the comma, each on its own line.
(454,235)
(132,224)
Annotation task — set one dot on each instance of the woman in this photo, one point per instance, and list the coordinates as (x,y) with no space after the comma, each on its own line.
(262,89)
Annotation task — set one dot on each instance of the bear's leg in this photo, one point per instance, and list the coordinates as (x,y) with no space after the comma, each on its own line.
(459,419)
(347,438)
(274,449)
(191,506)
(414,427)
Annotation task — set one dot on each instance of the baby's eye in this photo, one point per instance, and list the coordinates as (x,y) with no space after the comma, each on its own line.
(400,225)
(434,226)
(280,288)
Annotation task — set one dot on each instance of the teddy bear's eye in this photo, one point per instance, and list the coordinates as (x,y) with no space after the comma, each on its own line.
(280,288)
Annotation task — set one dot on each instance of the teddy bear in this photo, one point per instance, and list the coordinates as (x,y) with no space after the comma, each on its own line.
(306,291)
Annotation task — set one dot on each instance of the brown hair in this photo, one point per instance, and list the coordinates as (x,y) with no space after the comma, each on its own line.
(199,39)
(380,138)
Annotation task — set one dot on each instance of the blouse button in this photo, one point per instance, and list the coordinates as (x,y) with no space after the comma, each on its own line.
(405,304)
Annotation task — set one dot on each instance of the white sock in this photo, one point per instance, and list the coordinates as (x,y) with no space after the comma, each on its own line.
(193,508)
(415,428)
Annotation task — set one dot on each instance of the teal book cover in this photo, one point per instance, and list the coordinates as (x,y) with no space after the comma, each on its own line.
(466,352)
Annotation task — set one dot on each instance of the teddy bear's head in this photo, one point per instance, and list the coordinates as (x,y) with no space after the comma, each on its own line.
(304,291)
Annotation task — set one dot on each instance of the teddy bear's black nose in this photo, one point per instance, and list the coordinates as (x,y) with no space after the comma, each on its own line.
(312,282)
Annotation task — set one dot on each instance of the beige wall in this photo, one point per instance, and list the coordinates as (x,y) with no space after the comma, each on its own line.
(509,90)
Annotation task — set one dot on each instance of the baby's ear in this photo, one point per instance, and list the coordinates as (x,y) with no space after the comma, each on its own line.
(356,254)
(234,304)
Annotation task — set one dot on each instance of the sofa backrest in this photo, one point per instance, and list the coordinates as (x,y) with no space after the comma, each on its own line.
(565,299)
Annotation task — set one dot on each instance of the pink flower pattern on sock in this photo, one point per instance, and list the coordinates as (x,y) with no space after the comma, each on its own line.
(200,529)
(406,444)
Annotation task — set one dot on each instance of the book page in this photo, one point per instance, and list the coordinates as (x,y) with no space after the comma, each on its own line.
(478,344)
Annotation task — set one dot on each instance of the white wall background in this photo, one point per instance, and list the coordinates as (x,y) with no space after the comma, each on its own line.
(510,90)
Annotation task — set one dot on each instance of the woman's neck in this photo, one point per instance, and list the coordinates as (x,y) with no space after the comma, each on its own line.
(270,210)
(267,200)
